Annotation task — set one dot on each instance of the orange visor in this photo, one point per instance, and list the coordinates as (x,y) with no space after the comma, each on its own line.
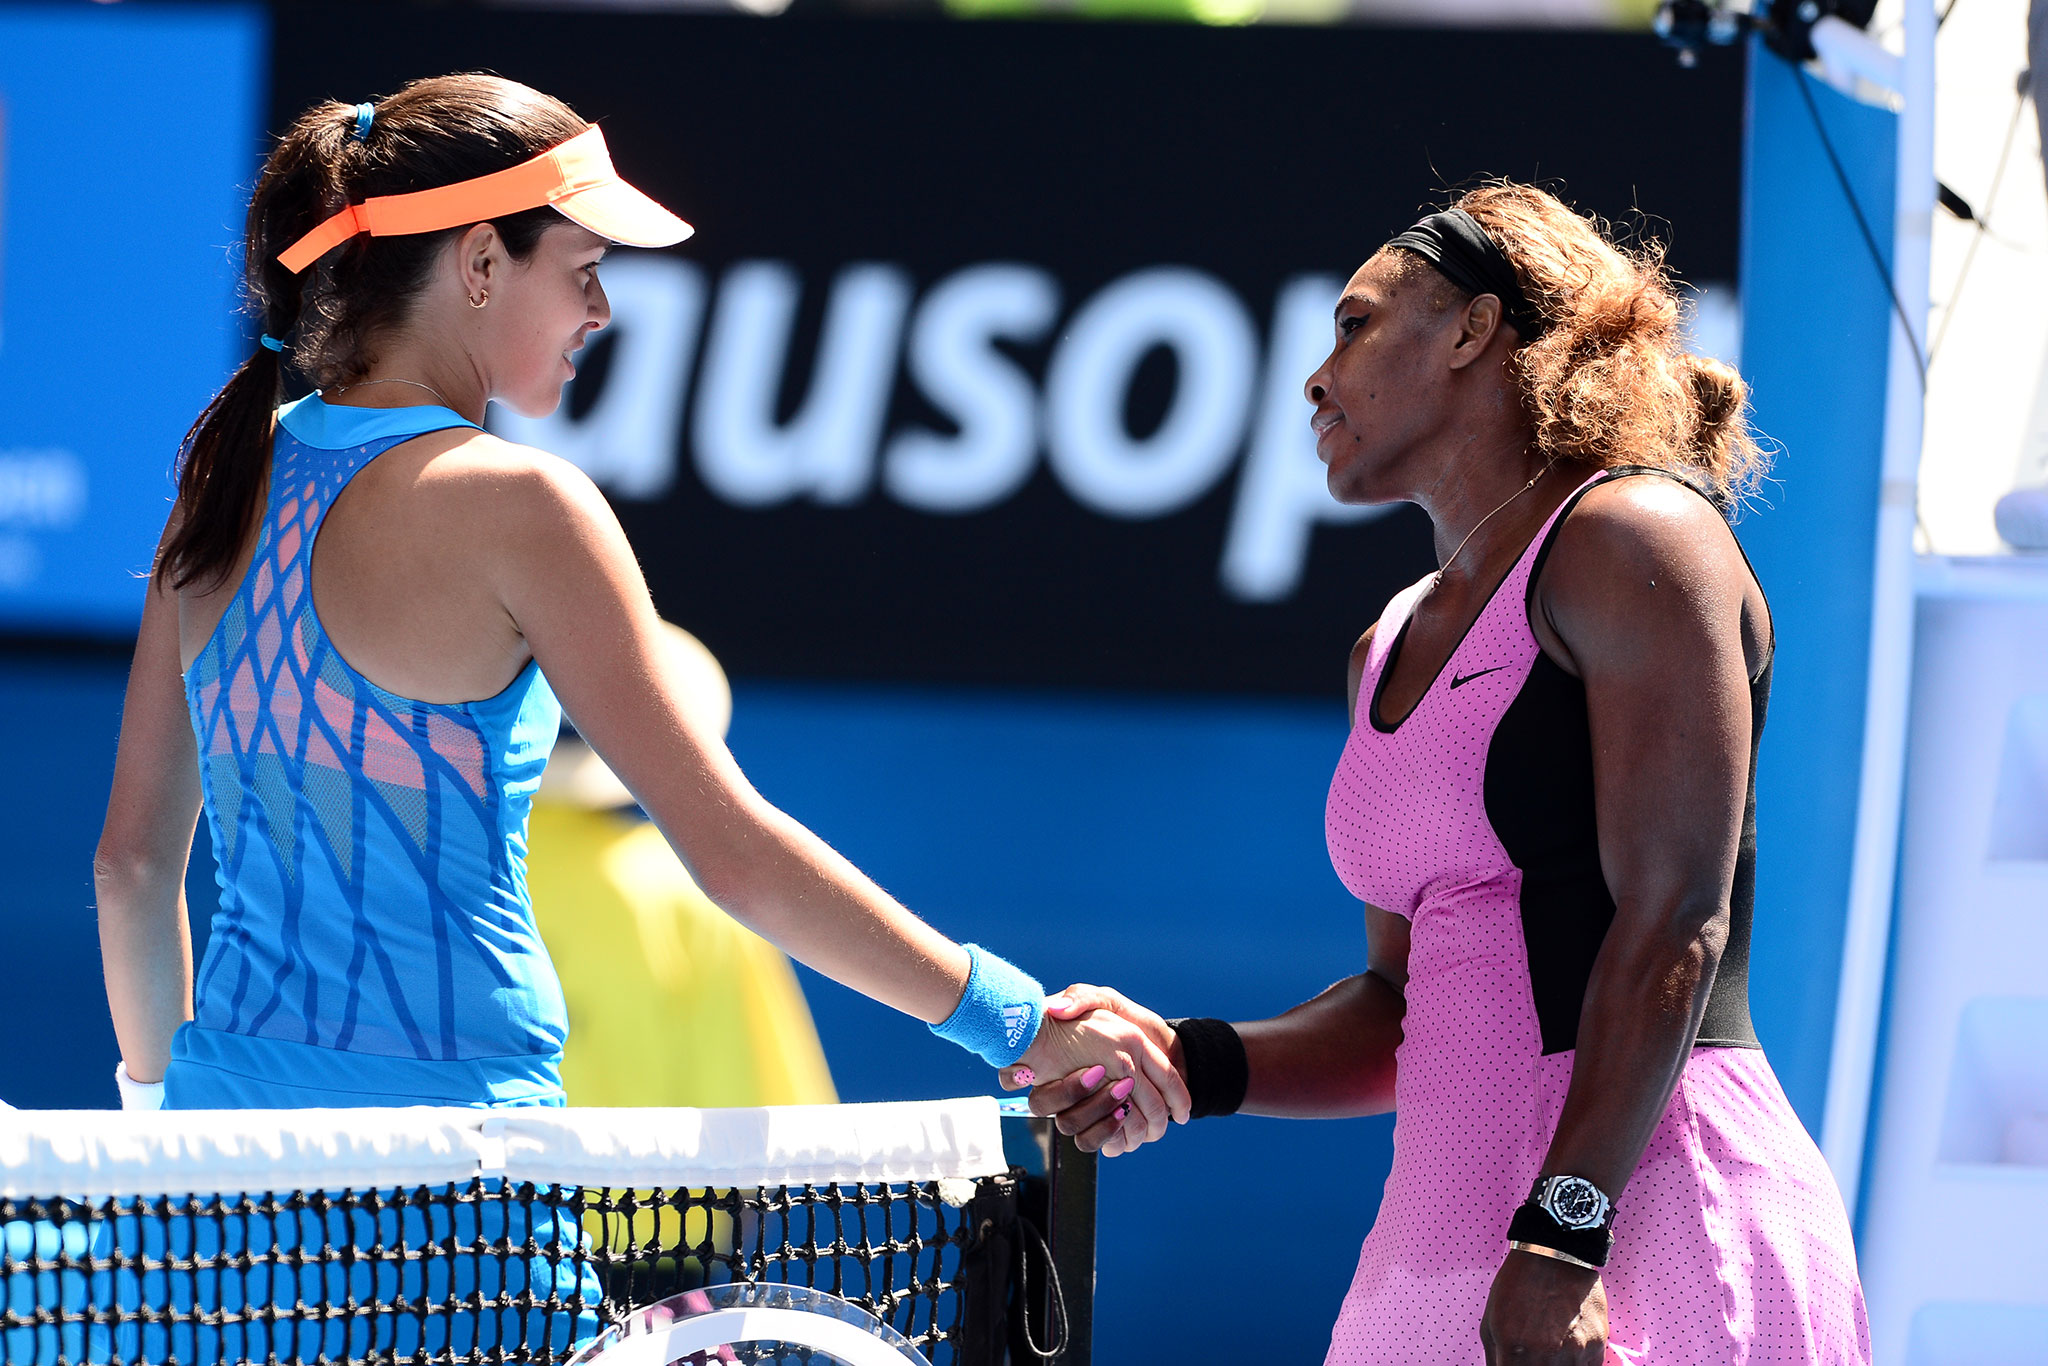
(576,177)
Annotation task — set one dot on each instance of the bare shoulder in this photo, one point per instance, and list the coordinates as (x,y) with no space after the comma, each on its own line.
(504,489)
(1637,557)
(478,462)
(1632,531)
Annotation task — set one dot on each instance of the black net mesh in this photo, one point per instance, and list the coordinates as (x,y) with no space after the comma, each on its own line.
(484,1271)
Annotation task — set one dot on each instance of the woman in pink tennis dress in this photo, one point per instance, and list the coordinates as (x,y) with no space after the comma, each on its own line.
(1547,805)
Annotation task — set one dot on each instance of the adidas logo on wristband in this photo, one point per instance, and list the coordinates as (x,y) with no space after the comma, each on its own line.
(1016,1019)
(998,1009)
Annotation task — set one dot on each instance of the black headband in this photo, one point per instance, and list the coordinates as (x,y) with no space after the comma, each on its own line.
(1464,254)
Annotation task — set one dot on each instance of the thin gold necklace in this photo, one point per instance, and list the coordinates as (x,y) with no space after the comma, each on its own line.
(1437,582)
(366,383)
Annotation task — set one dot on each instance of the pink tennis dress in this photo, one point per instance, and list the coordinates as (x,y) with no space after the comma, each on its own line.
(1473,818)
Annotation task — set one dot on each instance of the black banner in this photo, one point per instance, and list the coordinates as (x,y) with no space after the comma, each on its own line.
(986,361)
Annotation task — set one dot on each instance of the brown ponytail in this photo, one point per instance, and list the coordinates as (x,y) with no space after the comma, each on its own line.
(1609,381)
(433,132)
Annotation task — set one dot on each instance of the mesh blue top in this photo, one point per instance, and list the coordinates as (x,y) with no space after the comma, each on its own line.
(374,942)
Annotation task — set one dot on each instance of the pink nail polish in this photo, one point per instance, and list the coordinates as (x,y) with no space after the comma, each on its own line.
(1121,1111)
(1024,1076)
(1123,1088)
(1092,1078)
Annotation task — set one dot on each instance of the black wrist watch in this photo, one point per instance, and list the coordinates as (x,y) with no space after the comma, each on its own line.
(1566,1216)
(1573,1201)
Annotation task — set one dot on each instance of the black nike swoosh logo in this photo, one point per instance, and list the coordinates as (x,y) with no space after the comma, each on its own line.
(1458,682)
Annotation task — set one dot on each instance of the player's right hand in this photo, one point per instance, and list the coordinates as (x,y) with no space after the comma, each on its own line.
(1091,1106)
(1112,1049)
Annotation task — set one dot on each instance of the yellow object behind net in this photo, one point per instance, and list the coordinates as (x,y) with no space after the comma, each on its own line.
(671,1001)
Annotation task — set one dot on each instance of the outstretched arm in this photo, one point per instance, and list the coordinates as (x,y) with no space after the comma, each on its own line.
(1331,1057)
(569,582)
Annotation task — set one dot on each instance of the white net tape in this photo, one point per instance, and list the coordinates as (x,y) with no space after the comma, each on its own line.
(98,1154)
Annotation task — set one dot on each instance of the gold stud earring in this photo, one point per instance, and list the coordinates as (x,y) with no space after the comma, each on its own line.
(479,303)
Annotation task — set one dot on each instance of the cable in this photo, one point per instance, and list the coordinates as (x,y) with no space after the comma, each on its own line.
(1056,1345)
(1982,220)
(1884,272)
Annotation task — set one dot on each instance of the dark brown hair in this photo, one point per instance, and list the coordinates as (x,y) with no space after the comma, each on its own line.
(433,132)
(1609,380)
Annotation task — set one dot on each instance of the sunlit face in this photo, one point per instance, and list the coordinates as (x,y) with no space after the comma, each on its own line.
(1382,390)
(540,315)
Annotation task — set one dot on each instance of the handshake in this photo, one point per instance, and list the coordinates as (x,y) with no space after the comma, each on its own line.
(1110,1072)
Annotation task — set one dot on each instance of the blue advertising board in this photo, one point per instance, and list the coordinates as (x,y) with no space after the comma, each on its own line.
(1814,324)
(126,145)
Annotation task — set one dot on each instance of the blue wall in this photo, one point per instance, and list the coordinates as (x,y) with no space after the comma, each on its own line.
(57,726)
(1815,315)
(58,722)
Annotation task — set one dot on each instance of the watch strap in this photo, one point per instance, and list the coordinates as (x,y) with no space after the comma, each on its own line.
(1534,1224)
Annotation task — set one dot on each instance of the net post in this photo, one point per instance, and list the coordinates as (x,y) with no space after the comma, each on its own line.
(1072,1236)
(1061,1201)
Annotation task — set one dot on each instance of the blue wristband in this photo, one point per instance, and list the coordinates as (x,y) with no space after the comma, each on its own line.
(999,1013)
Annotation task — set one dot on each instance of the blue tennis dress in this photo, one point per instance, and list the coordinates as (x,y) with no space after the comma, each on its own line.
(374,943)
(374,946)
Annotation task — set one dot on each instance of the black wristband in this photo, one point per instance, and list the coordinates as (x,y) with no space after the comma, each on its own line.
(1217,1072)
(1534,1224)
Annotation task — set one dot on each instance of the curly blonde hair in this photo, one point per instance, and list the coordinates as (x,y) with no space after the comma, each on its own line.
(1609,380)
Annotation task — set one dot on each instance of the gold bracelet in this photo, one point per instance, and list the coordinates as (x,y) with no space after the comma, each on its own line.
(1542,1251)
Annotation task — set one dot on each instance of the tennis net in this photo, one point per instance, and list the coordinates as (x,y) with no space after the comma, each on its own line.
(443,1236)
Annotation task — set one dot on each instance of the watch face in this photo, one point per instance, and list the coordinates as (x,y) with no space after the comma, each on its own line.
(1576,1202)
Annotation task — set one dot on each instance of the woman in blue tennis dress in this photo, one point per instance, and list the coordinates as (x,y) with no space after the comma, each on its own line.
(363,613)
(374,943)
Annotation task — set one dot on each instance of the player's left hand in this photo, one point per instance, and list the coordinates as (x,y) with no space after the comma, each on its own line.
(1543,1312)
(1093,1108)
